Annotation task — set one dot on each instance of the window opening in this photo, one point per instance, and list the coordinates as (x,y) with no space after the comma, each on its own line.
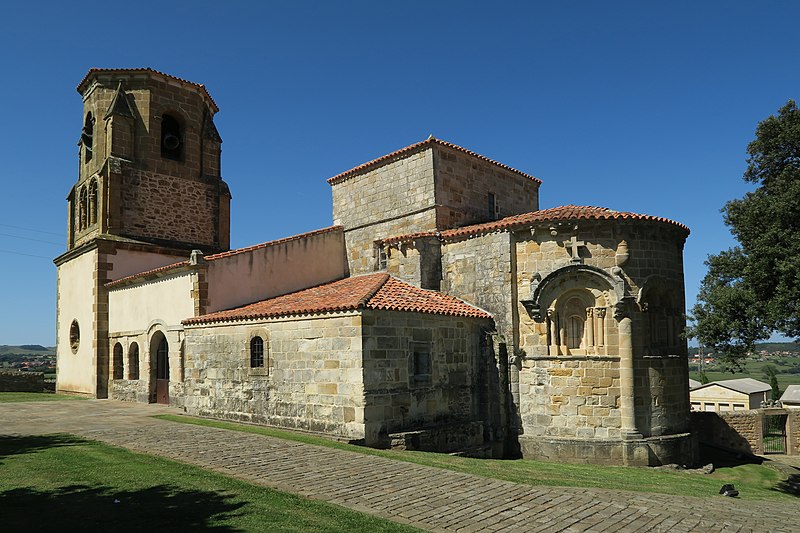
(74,336)
(256,352)
(117,362)
(491,206)
(383,257)
(421,361)
(133,361)
(574,332)
(171,138)
(87,137)
(93,202)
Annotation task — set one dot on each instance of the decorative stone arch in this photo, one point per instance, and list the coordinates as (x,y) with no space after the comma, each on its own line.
(658,300)
(573,301)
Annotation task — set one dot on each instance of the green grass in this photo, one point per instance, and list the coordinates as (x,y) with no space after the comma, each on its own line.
(63,483)
(753,481)
(8,397)
(752,368)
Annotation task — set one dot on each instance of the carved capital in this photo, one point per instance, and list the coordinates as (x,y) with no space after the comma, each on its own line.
(601,312)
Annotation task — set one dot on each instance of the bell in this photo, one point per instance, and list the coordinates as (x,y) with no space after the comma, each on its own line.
(171,142)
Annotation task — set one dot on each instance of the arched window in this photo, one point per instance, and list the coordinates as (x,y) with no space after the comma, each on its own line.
(256,352)
(171,138)
(93,202)
(87,137)
(84,207)
(117,362)
(133,361)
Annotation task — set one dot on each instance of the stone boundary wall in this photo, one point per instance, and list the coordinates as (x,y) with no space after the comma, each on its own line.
(21,381)
(743,430)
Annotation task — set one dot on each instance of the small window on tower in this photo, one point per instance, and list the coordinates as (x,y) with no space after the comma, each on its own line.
(87,137)
(382,257)
(491,206)
(171,138)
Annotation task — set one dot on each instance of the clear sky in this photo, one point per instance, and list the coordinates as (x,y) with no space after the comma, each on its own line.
(635,106)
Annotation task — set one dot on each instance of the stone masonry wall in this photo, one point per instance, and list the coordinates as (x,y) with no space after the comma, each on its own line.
(418,263)
(312,379)
(463,183)
(397,399)
(165,207)
(21,381)
(661,399)
(576,397)
(479,270)
(395,199)
(735,430)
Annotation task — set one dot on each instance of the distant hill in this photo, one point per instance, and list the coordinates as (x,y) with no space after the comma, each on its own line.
(27,349)
(769,347)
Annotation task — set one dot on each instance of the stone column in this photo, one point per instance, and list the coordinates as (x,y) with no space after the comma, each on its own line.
(626,385)
(589,328)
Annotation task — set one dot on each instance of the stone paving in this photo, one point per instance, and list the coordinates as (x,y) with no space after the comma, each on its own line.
(428,498)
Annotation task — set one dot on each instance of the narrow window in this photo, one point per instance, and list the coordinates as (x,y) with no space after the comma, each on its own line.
(93,202)
(491,206)
(117,362)
(421,362)
(256,352)
(574,332)
(87,137)
(74,336)
(382,257)
(133,361)
(84,208)
(171,138)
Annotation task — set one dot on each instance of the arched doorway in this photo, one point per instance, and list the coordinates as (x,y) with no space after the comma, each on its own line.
(159,356)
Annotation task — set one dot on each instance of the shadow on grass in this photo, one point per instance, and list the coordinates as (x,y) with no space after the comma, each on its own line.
(724,458)
(83,508)
(10,445)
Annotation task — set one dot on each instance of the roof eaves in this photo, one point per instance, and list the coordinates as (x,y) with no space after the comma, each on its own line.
(268,244)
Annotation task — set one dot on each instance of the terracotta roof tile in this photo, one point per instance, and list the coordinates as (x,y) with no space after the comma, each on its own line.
(92,71)
(416,147)
(372,291)
(555,214)
(146,273)
(267,244)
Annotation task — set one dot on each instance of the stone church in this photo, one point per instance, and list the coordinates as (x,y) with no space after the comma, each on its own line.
(442,310)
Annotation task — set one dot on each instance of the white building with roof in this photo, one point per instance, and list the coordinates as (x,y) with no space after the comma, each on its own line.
(730,395)
(791,397)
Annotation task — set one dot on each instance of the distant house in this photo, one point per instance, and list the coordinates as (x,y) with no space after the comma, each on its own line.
(791,397)
(730,395)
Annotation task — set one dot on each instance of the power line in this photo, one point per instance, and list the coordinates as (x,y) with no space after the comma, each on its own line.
(31,239)
(27,255)
(31,229)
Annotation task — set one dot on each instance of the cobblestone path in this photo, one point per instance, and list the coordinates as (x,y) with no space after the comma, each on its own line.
(429,498)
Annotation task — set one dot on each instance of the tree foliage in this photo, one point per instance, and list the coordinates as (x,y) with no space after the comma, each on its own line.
(753,289)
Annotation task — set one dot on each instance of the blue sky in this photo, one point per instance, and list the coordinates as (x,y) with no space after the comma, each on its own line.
(635,106)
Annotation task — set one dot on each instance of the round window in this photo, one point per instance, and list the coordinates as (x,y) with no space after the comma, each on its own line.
(74,336)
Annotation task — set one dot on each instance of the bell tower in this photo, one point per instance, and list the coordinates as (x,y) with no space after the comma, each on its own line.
(149,163)
(149,191)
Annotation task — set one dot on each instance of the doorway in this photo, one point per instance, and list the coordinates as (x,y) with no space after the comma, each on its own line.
(161,353)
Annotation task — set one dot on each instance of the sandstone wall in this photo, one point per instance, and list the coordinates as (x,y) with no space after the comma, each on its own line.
(312,379)
(397,398)
(418,263)
(740,430)
(463,185)
(662,391)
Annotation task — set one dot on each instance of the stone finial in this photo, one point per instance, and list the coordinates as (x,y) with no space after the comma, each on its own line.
(197,258)
(622,254)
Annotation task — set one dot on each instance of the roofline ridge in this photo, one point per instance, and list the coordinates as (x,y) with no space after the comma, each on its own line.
(275,242)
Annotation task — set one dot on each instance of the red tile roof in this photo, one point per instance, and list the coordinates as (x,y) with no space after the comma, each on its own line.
(160,270)
(92,71)
(371,291)
(554,214)
(267,244)
(408,150)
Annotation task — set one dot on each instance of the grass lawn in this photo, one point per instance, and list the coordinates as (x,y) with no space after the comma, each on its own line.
(753,481)
(64,483)
(8,397)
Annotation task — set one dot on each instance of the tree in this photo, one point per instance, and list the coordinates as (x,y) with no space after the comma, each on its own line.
(771,372)
(753,289)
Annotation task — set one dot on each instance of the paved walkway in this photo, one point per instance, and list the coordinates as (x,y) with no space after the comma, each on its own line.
(429,498)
